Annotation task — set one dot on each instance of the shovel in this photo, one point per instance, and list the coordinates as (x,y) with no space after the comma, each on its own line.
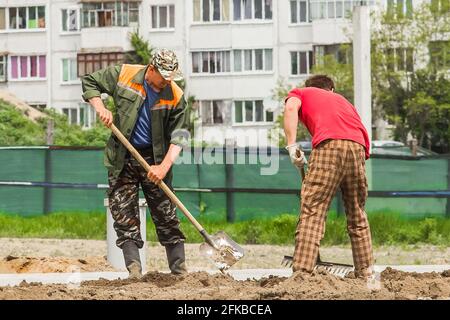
(219,248)
(337,269)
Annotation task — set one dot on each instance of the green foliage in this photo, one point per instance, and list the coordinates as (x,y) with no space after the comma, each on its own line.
(411,90)
(341,73)
(386,228)
(55,225)
(142,52)
(16,129)
(66,134)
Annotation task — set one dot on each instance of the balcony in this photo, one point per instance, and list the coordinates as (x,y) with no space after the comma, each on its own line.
(330,31)
(107,24)
(106,37)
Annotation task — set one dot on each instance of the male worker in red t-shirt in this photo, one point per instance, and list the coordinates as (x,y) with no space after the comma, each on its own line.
(340,148)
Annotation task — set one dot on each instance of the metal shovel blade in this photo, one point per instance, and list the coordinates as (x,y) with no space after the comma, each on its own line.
(225,253)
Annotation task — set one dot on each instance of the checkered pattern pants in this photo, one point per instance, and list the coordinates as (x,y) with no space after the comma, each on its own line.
(333,164)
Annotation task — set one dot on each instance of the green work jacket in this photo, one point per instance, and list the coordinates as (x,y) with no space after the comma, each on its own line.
(125,84)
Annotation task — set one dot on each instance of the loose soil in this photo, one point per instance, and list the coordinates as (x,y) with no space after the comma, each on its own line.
(202,286)
(52,255)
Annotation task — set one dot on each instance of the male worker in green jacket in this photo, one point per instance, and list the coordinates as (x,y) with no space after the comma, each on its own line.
(150,111)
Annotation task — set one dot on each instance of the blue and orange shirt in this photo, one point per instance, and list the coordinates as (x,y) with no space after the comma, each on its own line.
(142,133)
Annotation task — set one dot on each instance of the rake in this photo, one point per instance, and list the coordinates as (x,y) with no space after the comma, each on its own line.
(337,269)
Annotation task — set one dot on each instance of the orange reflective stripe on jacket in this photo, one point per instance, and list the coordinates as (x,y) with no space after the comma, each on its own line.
(126,76)
(177,93)
(129,71)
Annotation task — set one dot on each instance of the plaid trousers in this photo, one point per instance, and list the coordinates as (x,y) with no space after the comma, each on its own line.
(333,164)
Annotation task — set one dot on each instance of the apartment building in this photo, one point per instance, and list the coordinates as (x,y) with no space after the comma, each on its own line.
(232,52)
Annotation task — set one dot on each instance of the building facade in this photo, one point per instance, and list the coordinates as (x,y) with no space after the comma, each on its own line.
(232,52)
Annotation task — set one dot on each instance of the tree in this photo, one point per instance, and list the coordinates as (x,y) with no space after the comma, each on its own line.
(410,84)
(409,81)
(427,110)
(341,73)
(142,52)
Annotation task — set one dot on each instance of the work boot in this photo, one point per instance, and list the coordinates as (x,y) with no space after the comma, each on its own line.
(176,258)
(132,259)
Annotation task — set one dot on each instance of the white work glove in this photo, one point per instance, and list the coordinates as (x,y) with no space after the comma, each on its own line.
(297,156)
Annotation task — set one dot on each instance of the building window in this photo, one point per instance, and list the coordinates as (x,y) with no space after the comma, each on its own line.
(440,6)
(405,59)
(301,62)
(90,62)
(211,62)
(400,59)
(107,14)
(70,19)
(163,17)
(2,68)
(69,70)
(211,10)
(252,60)
(248,60)
(2,18)
(341,53)
(72,115)
(251,111)
(299,11)
(252,10)
(212,111)
(440,54)
(37,105)
(87,115)
(84,115)
(400,8)
(333,9)
(21,18)
(27,67)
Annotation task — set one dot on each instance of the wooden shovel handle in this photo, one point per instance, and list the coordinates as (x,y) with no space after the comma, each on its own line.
(302,169)
(162,184)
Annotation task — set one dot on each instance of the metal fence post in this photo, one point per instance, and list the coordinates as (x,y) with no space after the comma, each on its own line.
(339,204)
(447,213)
(229,179)
(48,179)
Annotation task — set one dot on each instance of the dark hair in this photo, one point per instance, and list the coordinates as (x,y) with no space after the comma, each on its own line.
(320,81)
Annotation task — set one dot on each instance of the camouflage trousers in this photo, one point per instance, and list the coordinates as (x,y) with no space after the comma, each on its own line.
(123,194)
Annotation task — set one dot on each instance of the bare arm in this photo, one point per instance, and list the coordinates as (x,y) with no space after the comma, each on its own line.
(105,115)
(171,156)
(158,172)
(290,120)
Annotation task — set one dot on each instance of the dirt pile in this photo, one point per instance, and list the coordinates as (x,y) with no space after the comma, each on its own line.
(13,264)
(391,284)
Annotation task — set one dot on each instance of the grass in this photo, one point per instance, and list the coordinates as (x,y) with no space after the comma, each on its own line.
(387,229)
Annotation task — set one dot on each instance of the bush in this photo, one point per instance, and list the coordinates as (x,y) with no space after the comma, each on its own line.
(17,130)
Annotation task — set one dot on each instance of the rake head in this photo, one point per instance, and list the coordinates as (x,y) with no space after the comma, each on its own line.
(337,269)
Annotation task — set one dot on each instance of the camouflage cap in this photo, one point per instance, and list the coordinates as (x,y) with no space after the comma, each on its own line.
(167,64)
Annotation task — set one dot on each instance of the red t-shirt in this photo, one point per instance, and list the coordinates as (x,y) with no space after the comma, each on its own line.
(328,115)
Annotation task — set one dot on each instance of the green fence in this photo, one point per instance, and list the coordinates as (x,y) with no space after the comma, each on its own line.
(40,180)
